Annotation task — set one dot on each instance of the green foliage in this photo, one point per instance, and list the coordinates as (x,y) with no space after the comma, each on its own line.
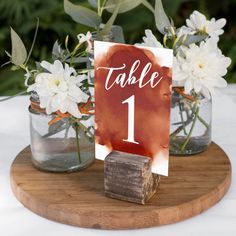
(162,20)
(93,19)
(112,19)
(55,23)
(125,5)
(18,51)
(22,16)
(82,15)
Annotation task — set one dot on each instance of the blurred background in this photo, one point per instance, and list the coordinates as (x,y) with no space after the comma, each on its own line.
(55,24)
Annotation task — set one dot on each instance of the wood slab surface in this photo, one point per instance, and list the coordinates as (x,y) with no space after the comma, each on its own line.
(195,183)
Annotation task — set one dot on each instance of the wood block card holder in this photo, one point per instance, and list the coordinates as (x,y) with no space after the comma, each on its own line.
(129,177)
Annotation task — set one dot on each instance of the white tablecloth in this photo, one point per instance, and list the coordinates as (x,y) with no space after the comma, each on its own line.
(16,220)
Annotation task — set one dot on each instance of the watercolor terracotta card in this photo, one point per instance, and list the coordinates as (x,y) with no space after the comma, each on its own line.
(132,101)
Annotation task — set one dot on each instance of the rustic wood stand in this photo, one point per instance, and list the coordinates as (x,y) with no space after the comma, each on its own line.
(195,184)
(129,177)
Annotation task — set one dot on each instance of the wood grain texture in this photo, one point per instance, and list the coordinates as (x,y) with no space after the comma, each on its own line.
(195,184)
(129,177)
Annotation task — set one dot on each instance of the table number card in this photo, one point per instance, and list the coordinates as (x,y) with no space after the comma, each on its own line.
(132,95)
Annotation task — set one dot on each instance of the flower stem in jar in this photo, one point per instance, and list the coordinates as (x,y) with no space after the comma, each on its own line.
(77,141)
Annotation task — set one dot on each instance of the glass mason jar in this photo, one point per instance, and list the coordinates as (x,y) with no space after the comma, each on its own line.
(60,147)
(190,131)
(90,66)
(105,38)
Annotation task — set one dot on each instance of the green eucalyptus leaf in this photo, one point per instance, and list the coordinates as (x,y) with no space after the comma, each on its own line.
(56,49)
(82,14)
(14,68)
(38,66)
(148,6)
(194,39)
(118,34)
(125,5)
(93,3)
(58,52)
(110,22)
(162,21)
(18,53)
(172,22)
(78,60)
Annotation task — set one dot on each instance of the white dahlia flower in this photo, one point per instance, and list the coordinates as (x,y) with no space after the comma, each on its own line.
(198,23)
(58,89)
(200,67)
(150,40)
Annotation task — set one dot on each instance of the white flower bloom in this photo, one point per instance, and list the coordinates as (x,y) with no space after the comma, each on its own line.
(199,23)
(85,38)
(200,67)
(150,40)
(58,89)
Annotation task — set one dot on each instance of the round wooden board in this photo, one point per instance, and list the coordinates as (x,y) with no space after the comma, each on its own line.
(194,184)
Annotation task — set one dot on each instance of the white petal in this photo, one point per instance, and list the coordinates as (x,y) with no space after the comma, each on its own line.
(206,93)
(57,100)
(64,106)
(63,86)
(57,67)
(184,30)
(46,65)
(197,86)
(48,108)
(44,101)
(227,61)
(180,83)
(220,83)
(221,23)
(69,70)
(150,40)
(77,95)
(74,110)
(188,86)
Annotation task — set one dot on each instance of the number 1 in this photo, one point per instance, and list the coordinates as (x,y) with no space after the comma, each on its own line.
(131,110)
